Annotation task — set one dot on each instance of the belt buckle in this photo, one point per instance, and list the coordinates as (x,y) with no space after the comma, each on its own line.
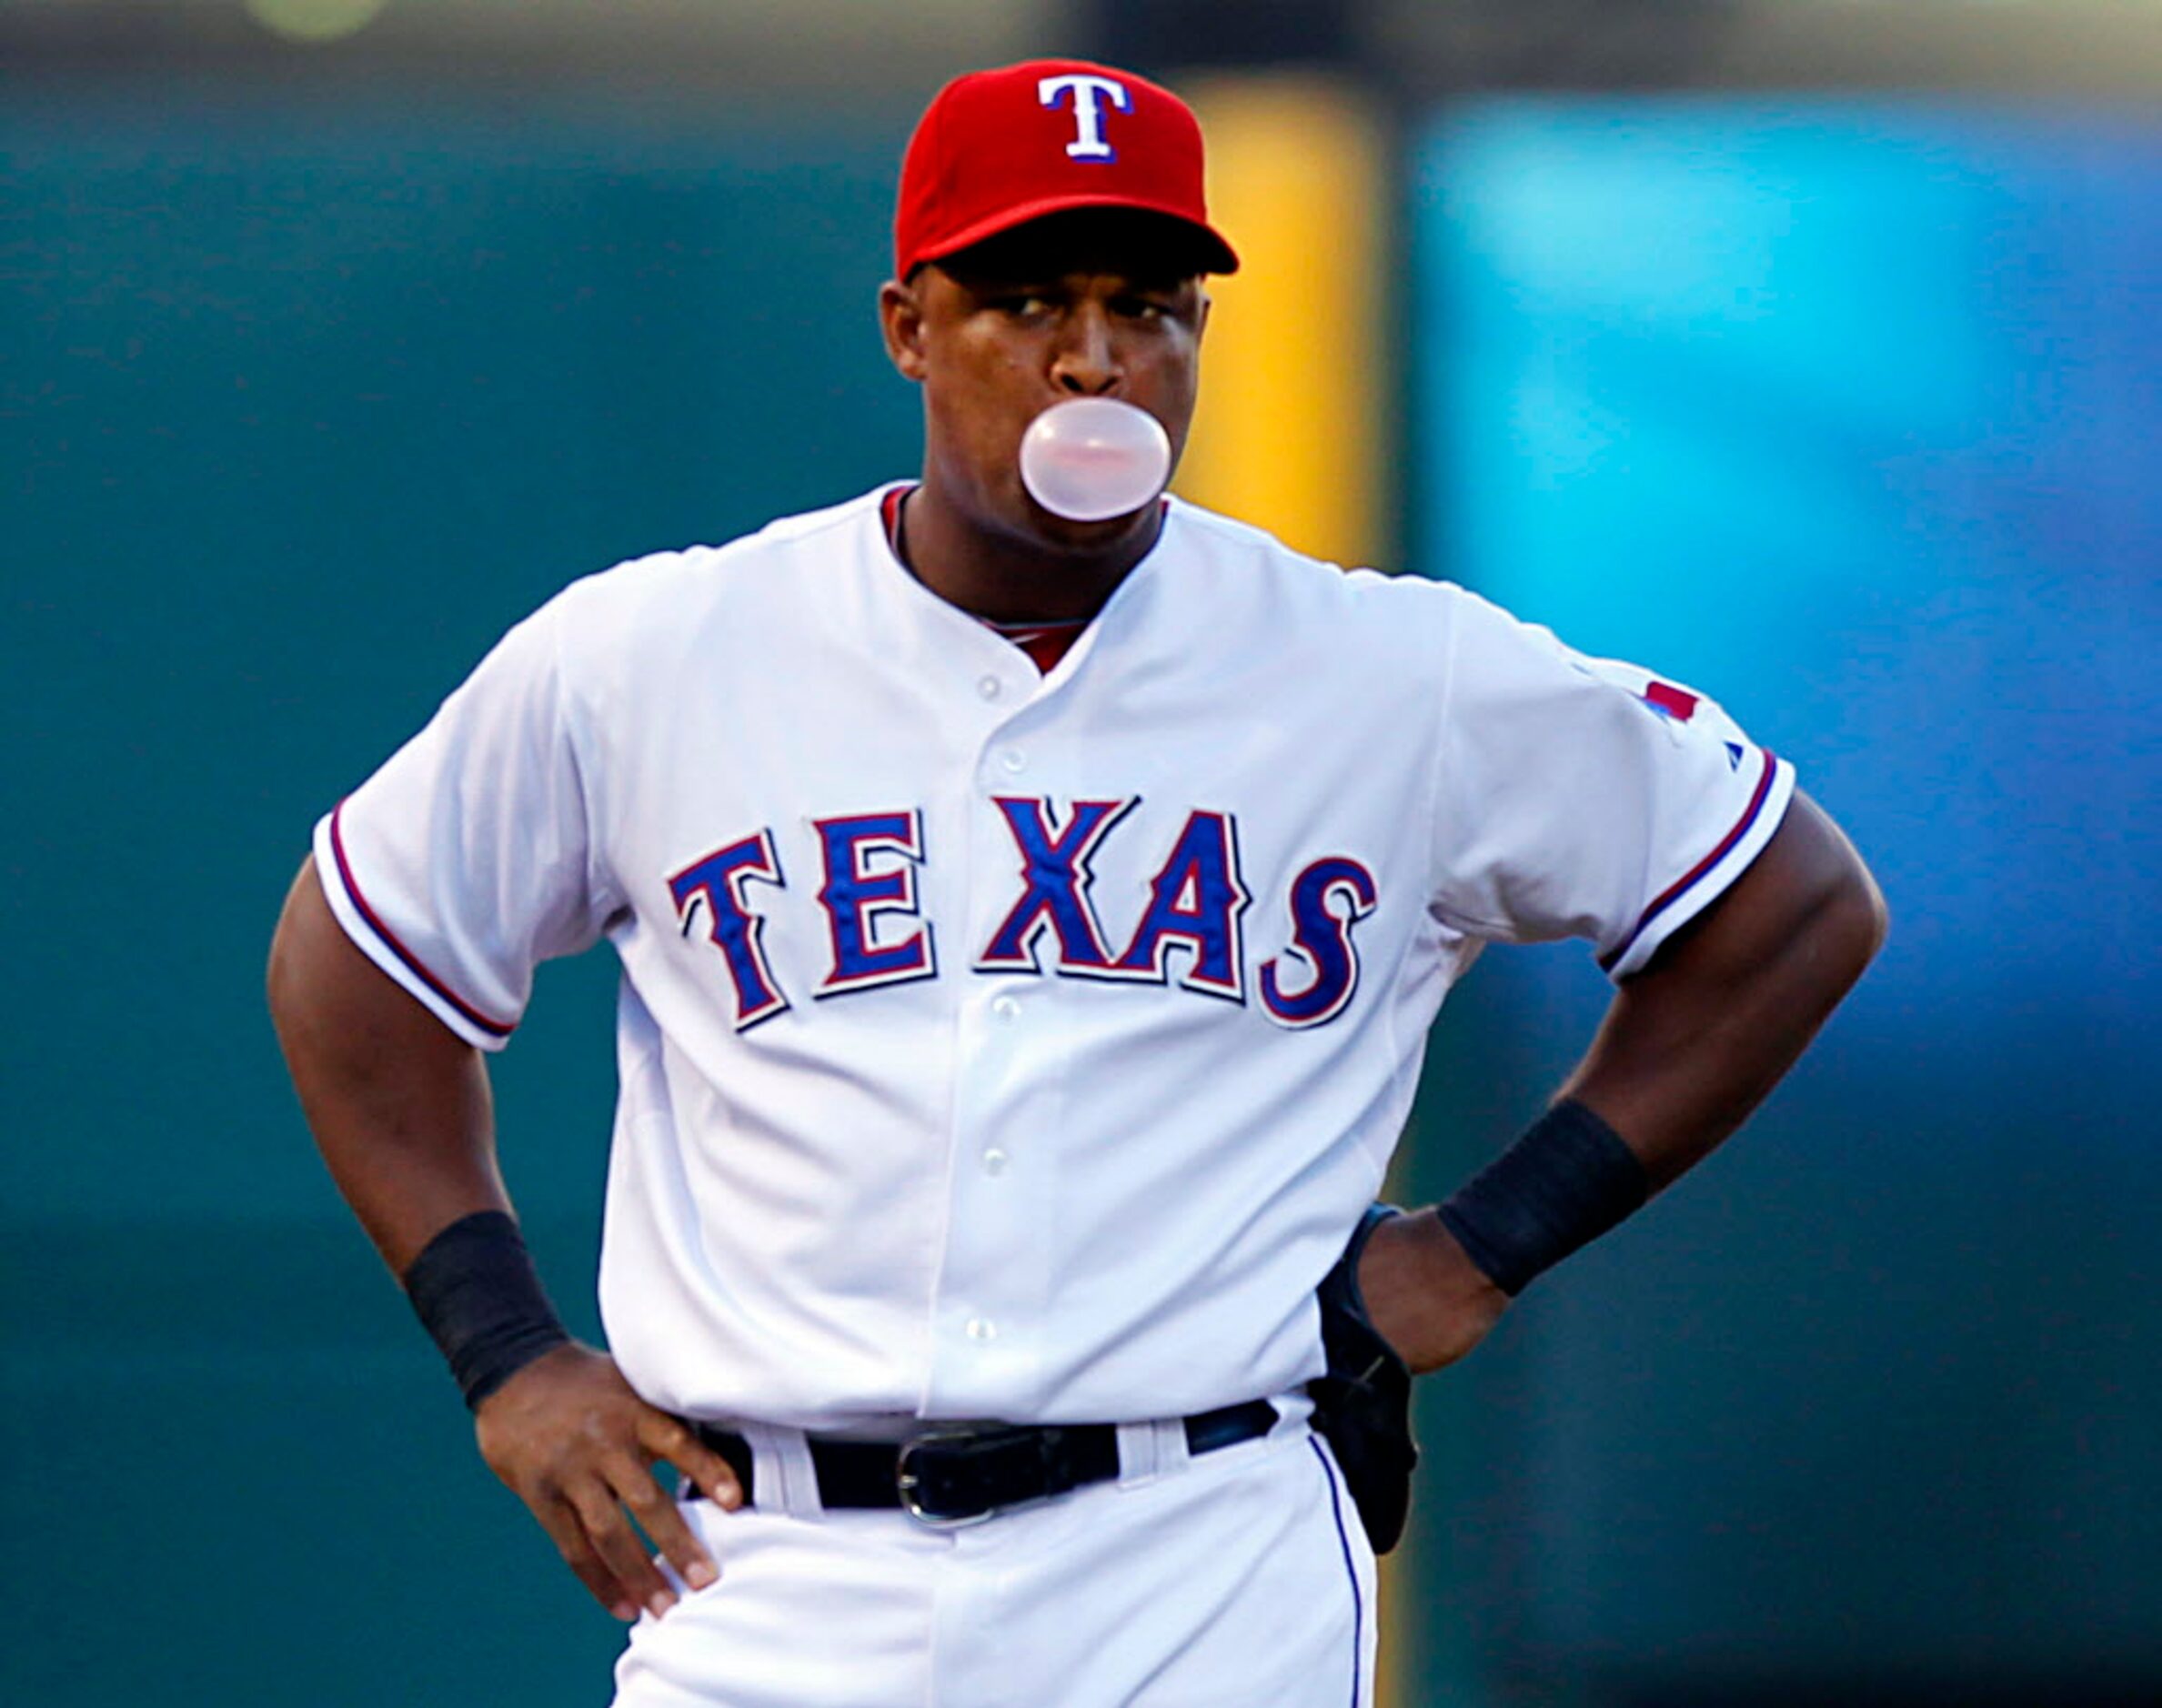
(922,1483)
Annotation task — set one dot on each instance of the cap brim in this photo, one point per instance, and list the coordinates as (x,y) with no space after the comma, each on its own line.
(1215,254)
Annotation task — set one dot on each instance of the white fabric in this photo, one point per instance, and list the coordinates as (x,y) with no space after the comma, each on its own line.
(1151,1450)
(1243,1581)
(1038,1191)
(781,1469)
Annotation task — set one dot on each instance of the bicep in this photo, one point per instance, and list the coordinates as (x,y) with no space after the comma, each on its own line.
(1694,1041)
(399,1104)
(329,998)
(1809,885)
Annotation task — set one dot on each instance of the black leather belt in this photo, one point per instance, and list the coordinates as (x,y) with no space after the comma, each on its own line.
(962,1474)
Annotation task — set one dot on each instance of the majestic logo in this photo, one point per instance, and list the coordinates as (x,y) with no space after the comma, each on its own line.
(1089,92)
(1191,925)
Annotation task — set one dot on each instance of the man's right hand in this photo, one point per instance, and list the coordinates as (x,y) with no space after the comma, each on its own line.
(571,1439)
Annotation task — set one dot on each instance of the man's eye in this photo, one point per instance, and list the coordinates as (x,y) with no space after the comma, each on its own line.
(1023,303)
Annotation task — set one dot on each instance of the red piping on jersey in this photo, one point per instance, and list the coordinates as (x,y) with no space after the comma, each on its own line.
(495,1029)
(1668,896)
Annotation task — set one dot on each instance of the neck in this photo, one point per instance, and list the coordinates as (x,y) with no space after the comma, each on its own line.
(1065,571)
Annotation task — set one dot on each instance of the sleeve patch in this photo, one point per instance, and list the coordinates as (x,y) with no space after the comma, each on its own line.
(1676,703)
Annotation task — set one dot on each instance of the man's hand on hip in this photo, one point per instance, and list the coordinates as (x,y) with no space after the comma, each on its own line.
(1427,1298)
(571,1439)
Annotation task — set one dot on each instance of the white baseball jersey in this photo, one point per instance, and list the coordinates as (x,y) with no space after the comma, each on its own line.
(998,1045)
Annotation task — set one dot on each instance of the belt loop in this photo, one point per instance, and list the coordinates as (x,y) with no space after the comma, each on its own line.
(1149,1451)
(1137,1455)
(781,1462)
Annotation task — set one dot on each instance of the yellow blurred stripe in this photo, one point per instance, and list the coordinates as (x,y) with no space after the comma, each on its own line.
(1288,431)
(1291,429)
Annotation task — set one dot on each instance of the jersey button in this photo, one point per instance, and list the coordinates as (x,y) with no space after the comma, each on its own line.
(994,1161)
(988,687)
(1006,1008)
(1014,761)
(982,1329)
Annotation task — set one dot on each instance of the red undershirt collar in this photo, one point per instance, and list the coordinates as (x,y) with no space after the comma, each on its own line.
(1045,643)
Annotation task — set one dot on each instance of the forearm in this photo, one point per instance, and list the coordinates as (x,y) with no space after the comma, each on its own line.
(400,1110)
(1692,1044)
(400,1105)
(1688,1048)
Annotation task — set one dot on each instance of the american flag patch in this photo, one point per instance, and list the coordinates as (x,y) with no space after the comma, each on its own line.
(1677,703)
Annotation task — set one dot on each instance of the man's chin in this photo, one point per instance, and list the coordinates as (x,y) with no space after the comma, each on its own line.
(1063,532)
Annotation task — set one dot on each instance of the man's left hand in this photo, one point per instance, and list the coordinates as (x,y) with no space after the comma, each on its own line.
(1427,1298)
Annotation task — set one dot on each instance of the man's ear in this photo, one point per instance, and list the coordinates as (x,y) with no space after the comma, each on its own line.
(901,318)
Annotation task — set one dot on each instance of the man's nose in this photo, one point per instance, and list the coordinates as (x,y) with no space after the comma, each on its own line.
(1087,363)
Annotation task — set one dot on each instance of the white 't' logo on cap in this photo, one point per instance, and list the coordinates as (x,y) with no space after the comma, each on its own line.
(1088,92)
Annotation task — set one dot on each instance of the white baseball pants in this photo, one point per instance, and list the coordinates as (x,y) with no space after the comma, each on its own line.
(1239,1578)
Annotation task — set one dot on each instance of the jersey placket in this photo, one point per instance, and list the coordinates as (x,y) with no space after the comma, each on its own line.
(990,1305)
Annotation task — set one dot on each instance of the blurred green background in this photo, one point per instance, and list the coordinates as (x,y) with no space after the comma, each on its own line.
(306,404)
(319,365)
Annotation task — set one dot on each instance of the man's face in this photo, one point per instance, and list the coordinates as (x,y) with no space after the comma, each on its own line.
(1092,303)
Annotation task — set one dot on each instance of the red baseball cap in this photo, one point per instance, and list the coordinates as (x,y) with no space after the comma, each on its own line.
(998,148)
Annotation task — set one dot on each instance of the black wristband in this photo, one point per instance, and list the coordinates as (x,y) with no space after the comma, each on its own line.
(476,1291)
(1566,1181)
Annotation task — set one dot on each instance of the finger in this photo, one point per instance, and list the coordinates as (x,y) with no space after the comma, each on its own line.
(568,1533)
(663,1524)
(671,1439)
(620,1551)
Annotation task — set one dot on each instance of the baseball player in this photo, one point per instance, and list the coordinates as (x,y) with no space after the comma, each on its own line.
(1030,927)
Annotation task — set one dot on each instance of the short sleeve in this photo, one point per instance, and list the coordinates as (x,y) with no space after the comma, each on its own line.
(1587,797)
(466,860)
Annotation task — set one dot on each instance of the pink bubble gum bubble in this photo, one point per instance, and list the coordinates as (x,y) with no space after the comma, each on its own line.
(1091,458)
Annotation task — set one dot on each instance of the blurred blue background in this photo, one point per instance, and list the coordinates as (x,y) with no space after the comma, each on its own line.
(1845,413)
(318,365)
